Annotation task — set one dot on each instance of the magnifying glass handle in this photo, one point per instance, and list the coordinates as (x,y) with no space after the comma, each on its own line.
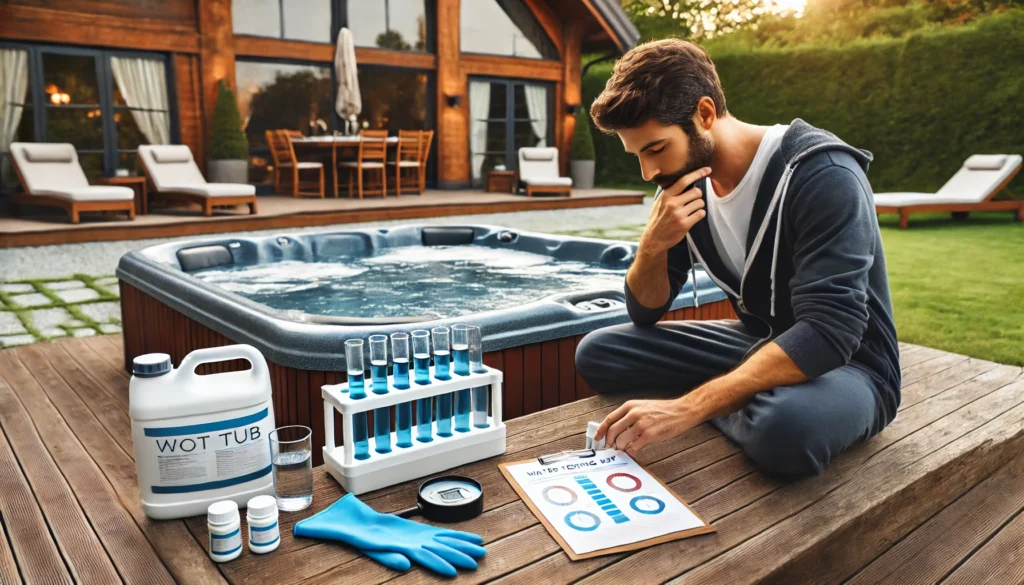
(409,512)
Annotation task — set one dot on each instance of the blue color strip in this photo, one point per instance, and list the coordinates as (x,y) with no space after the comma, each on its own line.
(211,485)
(228,535)
(207,427)
(620,519)
(264,529)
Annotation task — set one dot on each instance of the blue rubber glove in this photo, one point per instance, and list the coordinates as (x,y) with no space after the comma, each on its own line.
(385,538)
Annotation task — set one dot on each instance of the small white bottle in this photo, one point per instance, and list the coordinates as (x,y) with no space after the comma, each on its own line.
(225,531)
(264,533)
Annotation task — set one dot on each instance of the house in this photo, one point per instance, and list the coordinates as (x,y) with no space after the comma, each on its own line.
(489,76)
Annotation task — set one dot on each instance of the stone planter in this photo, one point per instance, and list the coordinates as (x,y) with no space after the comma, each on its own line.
(229,171)
(582,173)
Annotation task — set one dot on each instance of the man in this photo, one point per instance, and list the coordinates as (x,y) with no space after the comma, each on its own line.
(782,219)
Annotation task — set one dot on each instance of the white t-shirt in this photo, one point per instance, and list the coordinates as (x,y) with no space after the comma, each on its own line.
(729,216)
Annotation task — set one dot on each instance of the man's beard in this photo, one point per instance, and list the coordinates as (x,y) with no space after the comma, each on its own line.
(702,148)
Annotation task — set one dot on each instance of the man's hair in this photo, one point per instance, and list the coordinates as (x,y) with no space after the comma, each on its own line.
(660,80)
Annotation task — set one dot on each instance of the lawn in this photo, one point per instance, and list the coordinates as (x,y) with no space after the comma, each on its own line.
(956,285)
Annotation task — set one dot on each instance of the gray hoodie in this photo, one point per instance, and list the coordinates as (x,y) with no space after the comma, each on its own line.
(814,283)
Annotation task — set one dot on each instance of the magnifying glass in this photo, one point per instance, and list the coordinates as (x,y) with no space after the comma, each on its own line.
(450,498)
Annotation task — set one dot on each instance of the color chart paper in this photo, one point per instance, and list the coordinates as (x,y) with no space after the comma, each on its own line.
(603,504)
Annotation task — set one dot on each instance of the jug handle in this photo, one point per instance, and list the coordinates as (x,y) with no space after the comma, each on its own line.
(224,353)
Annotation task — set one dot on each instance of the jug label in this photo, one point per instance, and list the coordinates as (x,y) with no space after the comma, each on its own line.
(210,455)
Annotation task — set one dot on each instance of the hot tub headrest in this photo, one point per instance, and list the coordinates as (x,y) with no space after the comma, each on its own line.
(202,257)
(448,236)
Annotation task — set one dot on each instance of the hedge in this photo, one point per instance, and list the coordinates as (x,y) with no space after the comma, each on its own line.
(921,104)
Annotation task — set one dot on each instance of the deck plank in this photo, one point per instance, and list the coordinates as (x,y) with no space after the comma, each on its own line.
(79,544)
(928,554)
(145,551)
(110,348)
(999,562)
(9,574)
(31,543)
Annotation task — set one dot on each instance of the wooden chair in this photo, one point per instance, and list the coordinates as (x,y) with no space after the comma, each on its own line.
(51,176)
(407,159)
(371,160)
(287,165)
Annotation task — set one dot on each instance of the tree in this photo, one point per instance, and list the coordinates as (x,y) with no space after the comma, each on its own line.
(698,19)
(582,140)
(227,141)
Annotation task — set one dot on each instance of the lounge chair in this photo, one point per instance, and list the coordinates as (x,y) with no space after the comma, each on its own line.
(51,176)
(538,170)
(175,177)
(972,188)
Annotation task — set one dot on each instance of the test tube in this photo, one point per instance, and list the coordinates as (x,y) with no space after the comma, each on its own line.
(460,347)
(403,410)
(379,372)
(357,391)
(442,367)
(481,394)
(421,355)
(442,353)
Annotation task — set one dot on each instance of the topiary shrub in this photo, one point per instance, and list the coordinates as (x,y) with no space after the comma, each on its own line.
(227,141)
(582,141)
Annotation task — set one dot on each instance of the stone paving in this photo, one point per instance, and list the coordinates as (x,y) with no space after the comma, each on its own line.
(42,309)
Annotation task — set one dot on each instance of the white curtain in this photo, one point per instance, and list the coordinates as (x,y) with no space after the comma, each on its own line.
(479,106)
(143,84)
(13,89)
(537,106)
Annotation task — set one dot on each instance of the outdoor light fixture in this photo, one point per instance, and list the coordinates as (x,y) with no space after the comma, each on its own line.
(453,100)
(572,108)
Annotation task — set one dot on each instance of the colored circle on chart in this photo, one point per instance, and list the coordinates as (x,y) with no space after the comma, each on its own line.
(587,522)
(559,495)
(647,504)
(611,482)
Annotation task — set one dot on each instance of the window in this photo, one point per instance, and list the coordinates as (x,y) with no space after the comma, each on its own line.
(503,27)
(394,99)
(396,25)
(273,96)
(104,103)
(506,115)
(300,20)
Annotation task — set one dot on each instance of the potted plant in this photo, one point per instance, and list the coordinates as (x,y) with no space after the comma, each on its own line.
(581,159)
(229,150)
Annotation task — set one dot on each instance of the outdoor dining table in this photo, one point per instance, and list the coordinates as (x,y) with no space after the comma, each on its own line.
(347,145)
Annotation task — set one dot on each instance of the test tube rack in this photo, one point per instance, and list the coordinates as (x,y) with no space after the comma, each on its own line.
(421,459)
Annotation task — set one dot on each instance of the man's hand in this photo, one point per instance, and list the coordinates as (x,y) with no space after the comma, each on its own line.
(637,423)
(673,214)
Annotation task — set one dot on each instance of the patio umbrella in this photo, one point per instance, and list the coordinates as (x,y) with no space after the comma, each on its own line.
(349,102)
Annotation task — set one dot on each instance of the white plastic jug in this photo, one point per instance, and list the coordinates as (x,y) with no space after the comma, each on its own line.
(200,439)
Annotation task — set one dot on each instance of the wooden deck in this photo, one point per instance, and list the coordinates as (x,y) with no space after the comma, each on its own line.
(41,226)
(936,497)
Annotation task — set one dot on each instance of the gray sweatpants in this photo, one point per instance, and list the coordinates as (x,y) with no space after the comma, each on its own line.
(789,430)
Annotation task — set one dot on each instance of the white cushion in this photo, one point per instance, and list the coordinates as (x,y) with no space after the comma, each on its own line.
(215,189)
(172,153)
(404,163)
(968,185)
(51,176)
(170,176)
(985,162)
(91,193)
(549,181)
(538,153)
(57,153)
(366,165)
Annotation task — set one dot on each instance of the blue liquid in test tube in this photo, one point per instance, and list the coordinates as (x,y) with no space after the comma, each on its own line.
(481,394)
(462,409)
(424,420)
(379,373)
(480,397)
(357,391)
(403,410)
(444,415)
(460,347)
(442,365)
(461,359)
(422,365)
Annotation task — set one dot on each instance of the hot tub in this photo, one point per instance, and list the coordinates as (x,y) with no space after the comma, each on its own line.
(297,298)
